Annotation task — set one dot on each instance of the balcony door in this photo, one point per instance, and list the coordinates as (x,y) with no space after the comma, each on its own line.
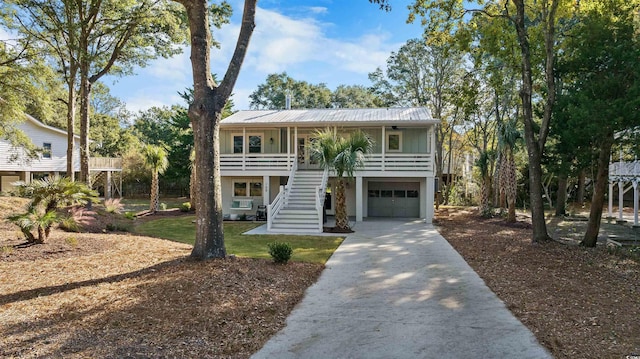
(305,162)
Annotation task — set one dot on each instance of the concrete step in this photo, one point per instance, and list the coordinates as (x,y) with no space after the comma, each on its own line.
(295,227)
(297,211)
(295,221)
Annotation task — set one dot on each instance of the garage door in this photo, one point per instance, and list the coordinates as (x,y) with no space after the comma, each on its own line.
(394,199)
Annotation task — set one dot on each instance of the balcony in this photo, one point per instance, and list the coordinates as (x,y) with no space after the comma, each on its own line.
(415,162)
(105,164)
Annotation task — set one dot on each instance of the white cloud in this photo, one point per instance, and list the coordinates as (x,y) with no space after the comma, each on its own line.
(298,45)
(176,68)
(318,9)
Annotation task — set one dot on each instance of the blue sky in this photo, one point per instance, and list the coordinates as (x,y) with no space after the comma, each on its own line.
(331,41)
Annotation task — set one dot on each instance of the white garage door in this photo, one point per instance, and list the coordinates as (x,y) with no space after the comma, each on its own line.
(394,199)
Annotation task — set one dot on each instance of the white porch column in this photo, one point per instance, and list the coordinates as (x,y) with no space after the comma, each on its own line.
(244,146)
(620,199)
(635,202)
(384,146)
(430,193)
(359,199)
(610,199)
(295,143)
(288,147)
(266,184)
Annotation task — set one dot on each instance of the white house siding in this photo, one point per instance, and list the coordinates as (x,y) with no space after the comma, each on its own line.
(14,162)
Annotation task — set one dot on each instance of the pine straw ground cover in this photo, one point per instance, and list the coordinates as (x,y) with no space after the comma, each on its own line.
(579,303)
(119,295)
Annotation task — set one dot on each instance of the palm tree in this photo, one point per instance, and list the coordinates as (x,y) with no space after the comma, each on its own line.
(156,159)
(47,196)
(343,155)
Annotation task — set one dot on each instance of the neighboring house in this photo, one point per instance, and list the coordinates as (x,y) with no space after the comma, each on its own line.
(627,176)
(265,160)
(15,165)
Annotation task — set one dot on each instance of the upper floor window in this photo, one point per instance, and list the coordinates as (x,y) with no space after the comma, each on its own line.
(46,150)
(238,144)
(394,141)
(255,143)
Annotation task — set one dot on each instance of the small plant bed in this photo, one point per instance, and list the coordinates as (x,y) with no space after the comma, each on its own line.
(578,302)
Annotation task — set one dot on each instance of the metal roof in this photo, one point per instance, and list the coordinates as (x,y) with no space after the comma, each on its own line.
(341,116)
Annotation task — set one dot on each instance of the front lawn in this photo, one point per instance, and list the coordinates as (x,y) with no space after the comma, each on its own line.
(312,249)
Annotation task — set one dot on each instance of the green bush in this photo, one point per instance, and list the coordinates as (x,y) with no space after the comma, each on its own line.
(69,224)
(185,207)
(280,251)
(129,215)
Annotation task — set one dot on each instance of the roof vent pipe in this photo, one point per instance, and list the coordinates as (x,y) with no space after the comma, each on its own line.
(287,100)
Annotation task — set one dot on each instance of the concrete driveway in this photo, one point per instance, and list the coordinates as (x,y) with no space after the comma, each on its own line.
(399,290)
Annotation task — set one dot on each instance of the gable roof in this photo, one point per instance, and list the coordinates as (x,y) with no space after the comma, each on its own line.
(40,124)
(340,116)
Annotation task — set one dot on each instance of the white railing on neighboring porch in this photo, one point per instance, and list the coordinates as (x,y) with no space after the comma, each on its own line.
(320,196)
(282,198)
(624,169)
(256,161)
(399,162)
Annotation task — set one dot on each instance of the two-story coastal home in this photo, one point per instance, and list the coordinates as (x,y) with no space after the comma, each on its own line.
(15,165)
(265,160)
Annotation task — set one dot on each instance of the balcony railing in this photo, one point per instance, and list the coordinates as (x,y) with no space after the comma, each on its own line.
(397,162)
(400,162)
(105,163)
(262,161)
(624,169)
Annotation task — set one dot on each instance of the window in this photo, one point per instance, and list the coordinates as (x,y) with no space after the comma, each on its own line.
(399,193)
(255,143)
(240,189)
(394,141)
(243,188)
(46,150)
(386,193)
(374,193)
(238,144)
(412,194)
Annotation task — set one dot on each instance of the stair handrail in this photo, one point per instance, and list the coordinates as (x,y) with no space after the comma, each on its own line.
(292,174)
(275,206)
(320,196)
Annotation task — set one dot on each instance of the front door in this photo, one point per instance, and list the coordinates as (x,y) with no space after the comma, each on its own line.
(304,154)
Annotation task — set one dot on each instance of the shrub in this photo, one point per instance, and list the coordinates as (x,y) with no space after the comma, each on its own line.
(113,205)
(72,241)
(69,224)
(243,217)
(130,215)
(280,251)
(185,207)
(163,206)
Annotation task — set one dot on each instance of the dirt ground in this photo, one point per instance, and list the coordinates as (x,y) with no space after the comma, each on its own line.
(110,295)
(579,302)
(115,295)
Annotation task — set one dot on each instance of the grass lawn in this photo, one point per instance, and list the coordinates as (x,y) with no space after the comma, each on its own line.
(141,204)
(312,249)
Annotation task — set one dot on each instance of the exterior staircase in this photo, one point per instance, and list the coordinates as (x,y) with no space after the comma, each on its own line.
(298,212)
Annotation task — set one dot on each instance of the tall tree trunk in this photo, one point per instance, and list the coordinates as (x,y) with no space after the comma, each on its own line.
(71,118)
(599,189)
(511,187)
(205,113)
(581,186)
(534,148)
(342,219)
(561,195)
(85,96)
